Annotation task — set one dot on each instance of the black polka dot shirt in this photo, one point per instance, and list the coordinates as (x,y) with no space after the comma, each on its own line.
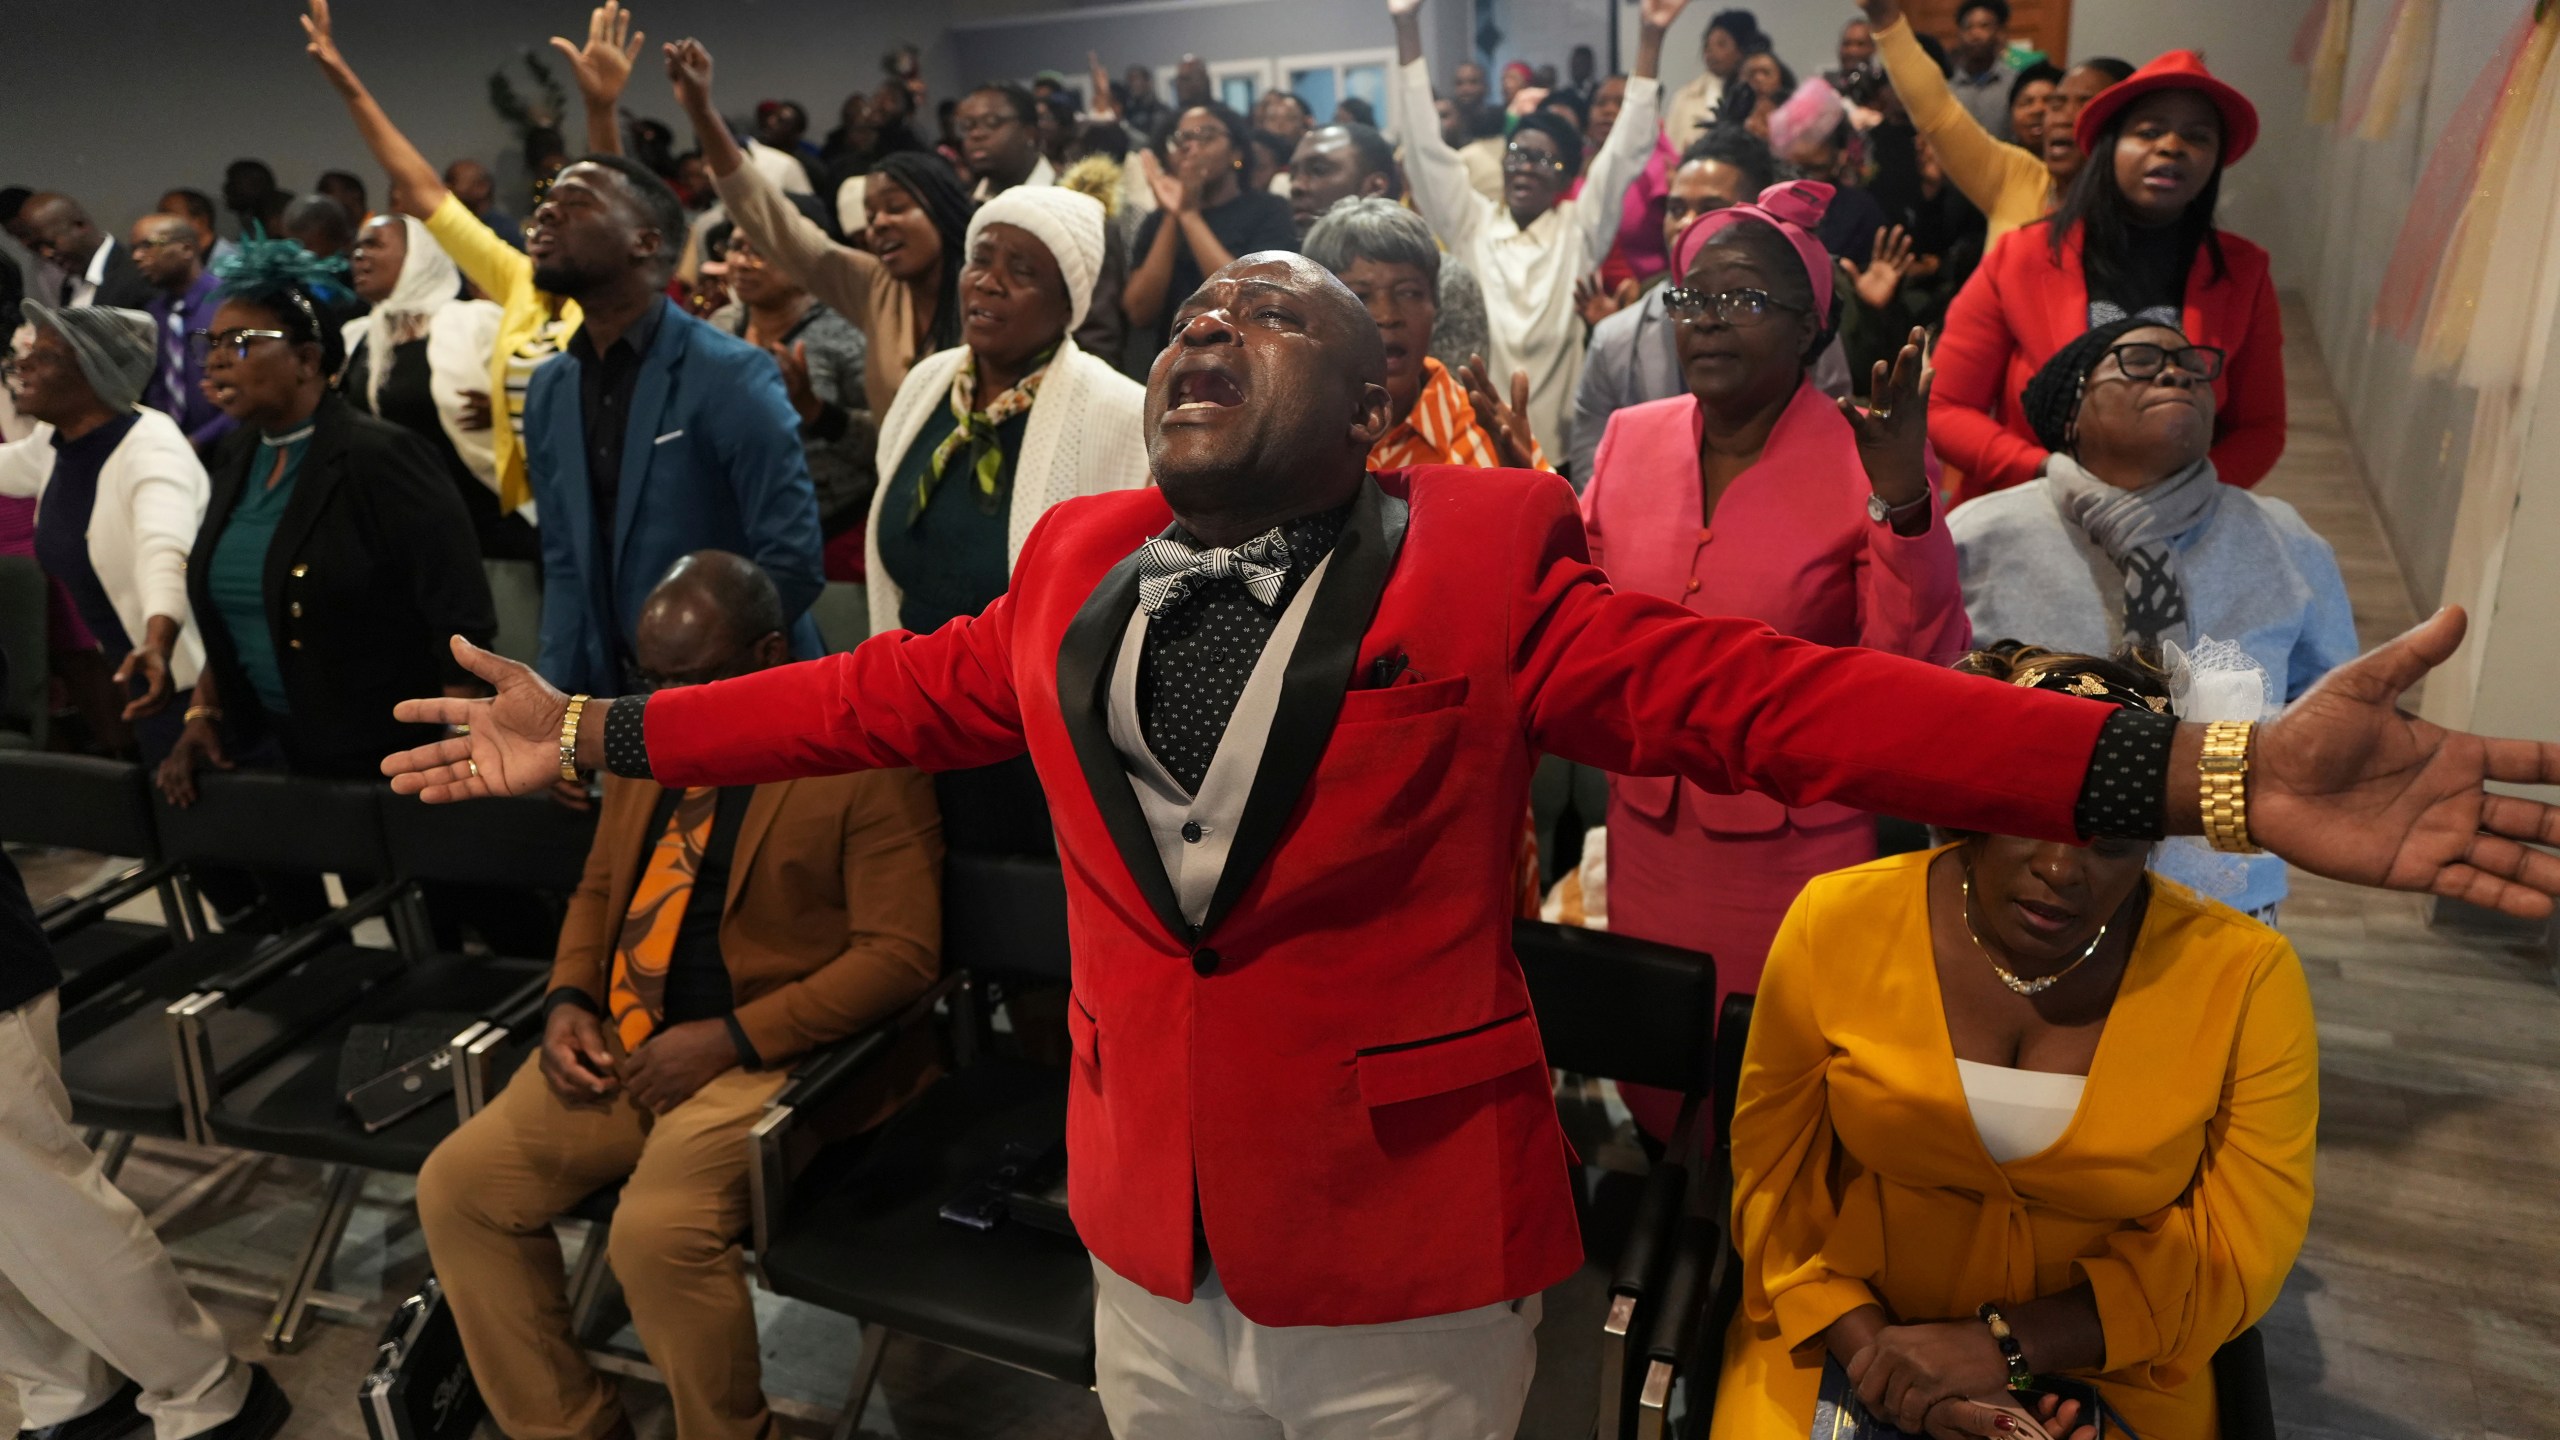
(1201,649)
(2125,795)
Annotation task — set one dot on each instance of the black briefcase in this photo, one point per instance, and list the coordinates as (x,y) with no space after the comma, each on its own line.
(420,1386)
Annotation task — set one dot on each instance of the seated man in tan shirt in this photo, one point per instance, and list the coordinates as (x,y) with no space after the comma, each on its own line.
(717,935)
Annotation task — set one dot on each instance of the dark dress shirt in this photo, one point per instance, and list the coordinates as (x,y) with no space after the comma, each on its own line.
(605,386)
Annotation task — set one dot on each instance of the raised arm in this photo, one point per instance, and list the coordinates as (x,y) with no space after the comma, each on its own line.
(1440,188)
(1630,143)
(603,67)
(415,186)
(1980,165)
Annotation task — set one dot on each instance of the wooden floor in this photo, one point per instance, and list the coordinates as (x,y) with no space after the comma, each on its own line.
(2426,1305)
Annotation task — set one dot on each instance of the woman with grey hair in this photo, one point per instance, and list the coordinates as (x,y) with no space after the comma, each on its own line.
(120,494)
(1385,254)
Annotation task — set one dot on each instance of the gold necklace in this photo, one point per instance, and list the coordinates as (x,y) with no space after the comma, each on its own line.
(2020,983)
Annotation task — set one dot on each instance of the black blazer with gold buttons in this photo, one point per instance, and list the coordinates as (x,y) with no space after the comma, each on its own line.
(373,566)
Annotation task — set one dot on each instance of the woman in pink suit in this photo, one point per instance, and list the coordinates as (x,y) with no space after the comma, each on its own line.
(1755,495)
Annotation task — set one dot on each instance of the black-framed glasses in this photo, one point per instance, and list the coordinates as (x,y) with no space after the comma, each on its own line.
(1205,135)
(2142,360)
(1730,307)
(207,344)
(1516,157)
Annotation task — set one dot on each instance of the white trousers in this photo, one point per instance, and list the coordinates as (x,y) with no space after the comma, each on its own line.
(84,1284)
(1202,1371)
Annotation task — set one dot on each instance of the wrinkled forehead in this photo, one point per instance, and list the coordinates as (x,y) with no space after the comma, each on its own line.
(1273,272)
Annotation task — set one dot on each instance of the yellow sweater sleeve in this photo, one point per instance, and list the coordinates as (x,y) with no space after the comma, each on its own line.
(503,272)
(2172,1288)
(1783,1209)
(2005,182)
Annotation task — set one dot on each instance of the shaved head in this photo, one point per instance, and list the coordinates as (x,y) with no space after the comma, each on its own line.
(715,615)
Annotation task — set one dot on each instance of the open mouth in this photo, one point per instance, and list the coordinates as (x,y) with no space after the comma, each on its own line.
(2167,177)
(1205,389)
(2045,919)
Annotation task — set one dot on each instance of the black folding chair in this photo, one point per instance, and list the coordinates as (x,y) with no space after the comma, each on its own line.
(79,803)
(855,1227)
(295,1105)
(1629,1010)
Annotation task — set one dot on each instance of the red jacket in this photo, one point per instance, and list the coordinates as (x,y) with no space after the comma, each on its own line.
(1341,1064)
(2022,305)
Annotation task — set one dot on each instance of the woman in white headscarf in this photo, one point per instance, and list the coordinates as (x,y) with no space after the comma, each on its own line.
(420,359)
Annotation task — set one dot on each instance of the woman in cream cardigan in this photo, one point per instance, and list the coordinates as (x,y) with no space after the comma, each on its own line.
(120,496)
(984,438)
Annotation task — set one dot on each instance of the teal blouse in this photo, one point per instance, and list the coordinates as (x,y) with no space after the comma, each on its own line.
(951,561)
(238,578)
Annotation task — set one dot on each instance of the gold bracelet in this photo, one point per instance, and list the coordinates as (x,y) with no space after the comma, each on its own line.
(2225,782)
(199,712)
(569,738)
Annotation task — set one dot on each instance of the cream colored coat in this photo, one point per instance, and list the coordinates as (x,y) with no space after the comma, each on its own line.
(151,498)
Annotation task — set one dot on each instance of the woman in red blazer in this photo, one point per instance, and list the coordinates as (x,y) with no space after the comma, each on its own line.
(2133,235)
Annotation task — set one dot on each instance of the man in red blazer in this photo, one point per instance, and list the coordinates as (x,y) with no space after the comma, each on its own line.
(1286,712)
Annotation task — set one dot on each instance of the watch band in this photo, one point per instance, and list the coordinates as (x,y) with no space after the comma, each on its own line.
(2011,1353)
(569,738)
(1884,514)
(2224,774)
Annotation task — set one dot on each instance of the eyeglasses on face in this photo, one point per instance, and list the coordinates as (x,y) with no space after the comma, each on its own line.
(1516,158)
(235,343)
(2143,360)
(1730,307)
(1205,135)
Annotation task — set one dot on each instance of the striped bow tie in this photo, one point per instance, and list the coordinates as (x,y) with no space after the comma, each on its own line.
(1168,569)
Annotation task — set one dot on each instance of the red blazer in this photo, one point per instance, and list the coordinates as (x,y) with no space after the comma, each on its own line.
(2022,305)
(1341,1064)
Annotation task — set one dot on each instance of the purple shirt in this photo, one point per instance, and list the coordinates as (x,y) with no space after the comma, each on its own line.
(177,382)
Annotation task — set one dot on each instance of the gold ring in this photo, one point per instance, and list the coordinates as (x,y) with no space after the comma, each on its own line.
(1881,412)
(459,731)
(475,768)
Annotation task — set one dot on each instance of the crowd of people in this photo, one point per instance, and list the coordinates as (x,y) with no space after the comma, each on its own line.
(1201,473)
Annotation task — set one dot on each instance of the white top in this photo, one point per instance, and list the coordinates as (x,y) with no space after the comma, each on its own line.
(2019,1112)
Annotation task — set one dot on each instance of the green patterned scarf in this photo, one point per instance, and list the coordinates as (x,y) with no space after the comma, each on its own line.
(978,428)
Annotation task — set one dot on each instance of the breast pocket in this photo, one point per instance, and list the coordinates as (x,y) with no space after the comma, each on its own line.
(1394,746)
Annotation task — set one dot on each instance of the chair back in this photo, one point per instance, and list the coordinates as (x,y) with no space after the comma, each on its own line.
(76,802)
(24,657)
(1733,1032)
(515,592)
(1618,1007)
(523,842)
(1004,915)
(2241,1388)
(842,612)
(269,821)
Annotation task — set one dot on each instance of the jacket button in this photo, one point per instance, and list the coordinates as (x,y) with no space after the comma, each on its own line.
(301,570)
(296,644)
(1204,961)
(1191,831)
(297,609)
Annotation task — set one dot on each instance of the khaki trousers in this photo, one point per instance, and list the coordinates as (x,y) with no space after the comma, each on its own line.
(1202,1371)
(487,1198)
(84,1284)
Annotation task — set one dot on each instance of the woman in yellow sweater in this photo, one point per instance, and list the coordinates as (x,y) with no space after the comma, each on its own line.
(2010,184)
(2016,1080)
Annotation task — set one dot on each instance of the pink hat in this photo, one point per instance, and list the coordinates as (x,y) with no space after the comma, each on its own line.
(1814,111)
(1794,208)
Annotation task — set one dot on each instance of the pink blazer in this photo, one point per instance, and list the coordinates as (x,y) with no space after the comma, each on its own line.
(1791,546)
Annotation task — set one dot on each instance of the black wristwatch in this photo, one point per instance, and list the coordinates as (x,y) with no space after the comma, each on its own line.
(1884,514)
(2020,1377)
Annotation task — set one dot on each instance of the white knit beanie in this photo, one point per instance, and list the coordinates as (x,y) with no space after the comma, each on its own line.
(1068,223)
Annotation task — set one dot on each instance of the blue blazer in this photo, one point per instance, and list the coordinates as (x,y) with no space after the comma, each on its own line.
(711,461)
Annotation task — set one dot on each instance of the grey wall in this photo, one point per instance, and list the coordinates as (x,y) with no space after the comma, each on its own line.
(1158,32)
(136,96)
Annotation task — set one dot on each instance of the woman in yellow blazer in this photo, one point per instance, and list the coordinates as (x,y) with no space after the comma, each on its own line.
(2026,1075)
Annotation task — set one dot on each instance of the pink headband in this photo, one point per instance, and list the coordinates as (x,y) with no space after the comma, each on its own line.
(1793,208)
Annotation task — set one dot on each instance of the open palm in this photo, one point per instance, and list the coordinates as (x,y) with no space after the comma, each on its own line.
(603,64)
(512,744)
(2347,784)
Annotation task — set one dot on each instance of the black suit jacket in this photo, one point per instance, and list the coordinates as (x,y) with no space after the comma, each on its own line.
(372,569)
(122,285)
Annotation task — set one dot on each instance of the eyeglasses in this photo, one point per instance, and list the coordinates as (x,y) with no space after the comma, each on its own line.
(2142,360)
(1185,139)
(206,344)
(1730,307)
(1516,158)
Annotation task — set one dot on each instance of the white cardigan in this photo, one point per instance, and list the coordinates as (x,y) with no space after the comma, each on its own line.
(1085,437)
(151,498)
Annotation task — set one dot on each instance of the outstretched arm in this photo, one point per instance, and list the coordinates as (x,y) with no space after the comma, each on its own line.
(1622,157)
(603,67)
(1440,187)
(415,185)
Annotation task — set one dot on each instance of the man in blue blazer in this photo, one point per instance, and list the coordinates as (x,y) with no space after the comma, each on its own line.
(654,436)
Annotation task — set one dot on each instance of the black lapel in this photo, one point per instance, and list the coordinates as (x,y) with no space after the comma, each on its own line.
(1085,660)
(1311,689)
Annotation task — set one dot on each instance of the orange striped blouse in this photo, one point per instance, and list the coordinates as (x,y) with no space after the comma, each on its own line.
(1442,430)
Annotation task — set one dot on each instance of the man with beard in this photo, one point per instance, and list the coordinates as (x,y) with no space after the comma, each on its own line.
(663,435)
(1286,713)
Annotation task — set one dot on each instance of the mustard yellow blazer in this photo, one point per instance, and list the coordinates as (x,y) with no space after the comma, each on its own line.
(2179,1192)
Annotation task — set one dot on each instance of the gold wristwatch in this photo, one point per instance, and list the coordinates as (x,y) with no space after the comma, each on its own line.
(2224,771)
(569,738)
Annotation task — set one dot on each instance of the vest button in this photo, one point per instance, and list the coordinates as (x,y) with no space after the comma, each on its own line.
(1204,961)
(1191,831)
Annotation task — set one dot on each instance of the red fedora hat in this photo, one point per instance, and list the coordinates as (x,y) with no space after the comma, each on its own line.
(2177,70)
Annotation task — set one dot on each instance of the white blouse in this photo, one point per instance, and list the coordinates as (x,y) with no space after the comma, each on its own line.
(2019,1112)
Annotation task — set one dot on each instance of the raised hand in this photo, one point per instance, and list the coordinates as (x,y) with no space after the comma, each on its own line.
(1881,13)
(1101,105)
(1658,14)
(689,72)
(1887,265)
(603,64)
(1596,302)
(322,46)
(1514,443)
(509,743)
(1399,9)
(1173,193)
(1893,437)
(794,362)
(2346,784)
